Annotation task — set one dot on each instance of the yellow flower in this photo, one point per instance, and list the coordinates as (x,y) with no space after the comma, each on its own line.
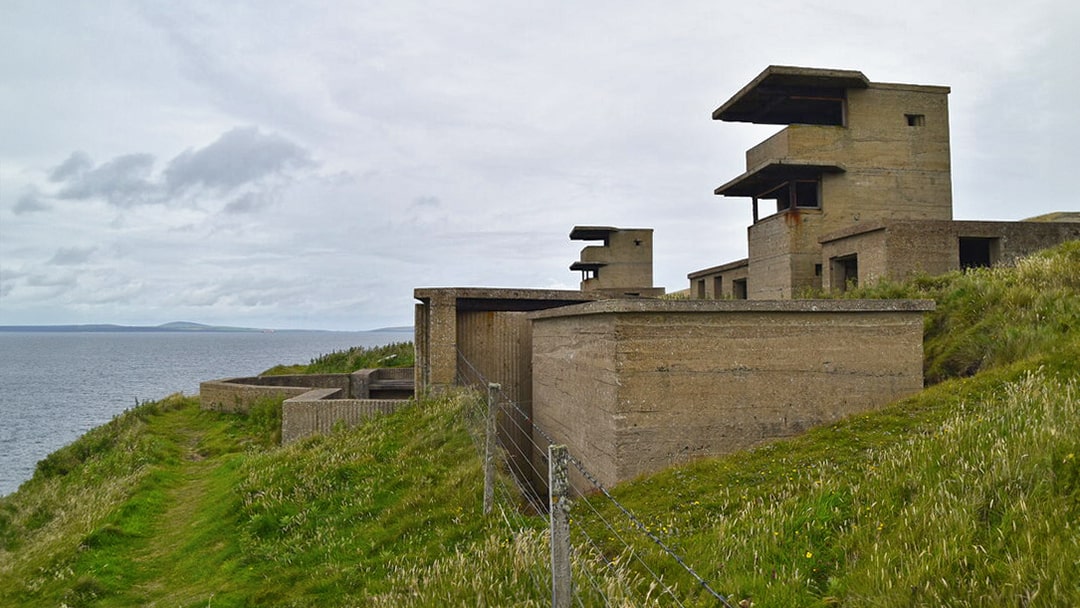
(809,555)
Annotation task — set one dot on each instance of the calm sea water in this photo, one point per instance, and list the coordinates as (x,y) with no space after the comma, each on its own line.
(56,386)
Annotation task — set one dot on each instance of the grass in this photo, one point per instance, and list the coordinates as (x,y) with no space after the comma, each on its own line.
(967,494)
(398,354)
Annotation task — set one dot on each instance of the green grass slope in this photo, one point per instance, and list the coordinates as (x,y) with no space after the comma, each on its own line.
(967,494)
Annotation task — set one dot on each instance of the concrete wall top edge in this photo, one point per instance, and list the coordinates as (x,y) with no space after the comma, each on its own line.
(870,226)
(705,306)
(721,268)
(501,293)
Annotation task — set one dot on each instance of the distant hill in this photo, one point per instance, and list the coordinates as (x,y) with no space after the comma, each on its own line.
(177,326)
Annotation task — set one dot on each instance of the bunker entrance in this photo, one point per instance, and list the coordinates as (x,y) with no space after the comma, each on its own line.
(976,252)
(845,272)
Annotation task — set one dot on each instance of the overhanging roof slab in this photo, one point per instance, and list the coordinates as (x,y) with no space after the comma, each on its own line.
(765,178)
(783,95)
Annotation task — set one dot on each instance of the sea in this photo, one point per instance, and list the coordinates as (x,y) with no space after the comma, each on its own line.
(55,386)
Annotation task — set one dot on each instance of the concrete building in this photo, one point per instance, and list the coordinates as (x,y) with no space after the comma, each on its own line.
(634,386)
(621,267)
(858,187)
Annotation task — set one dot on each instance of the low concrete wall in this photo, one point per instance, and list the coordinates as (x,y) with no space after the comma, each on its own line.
(314,403)
(236,395)
(318,411)
(635,386)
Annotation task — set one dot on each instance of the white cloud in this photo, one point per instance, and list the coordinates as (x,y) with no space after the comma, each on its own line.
(384,146)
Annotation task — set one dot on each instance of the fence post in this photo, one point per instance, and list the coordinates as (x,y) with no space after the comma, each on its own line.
(559,494)
(491,439)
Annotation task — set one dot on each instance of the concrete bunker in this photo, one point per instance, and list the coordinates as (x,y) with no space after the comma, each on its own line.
(634,386)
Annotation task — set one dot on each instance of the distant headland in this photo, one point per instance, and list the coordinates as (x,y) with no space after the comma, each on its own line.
(175,326)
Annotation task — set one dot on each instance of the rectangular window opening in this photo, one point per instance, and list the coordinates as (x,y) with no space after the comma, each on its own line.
(803,193)
(916,120)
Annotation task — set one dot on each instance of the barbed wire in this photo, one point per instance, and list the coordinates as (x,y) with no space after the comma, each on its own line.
(645,530)
(478,379)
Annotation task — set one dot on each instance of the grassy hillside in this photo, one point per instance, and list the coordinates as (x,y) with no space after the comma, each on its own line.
(967,494)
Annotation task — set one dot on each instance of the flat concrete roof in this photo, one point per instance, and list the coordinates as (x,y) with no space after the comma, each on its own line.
(766,177)
(711,306)
(599,233)
(782,92)
(504,299)
(743,263)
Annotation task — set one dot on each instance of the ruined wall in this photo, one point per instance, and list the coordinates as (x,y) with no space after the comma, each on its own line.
(633,387)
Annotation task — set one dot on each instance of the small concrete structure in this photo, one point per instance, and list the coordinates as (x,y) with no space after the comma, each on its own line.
(633,386)
(314,403)
(861,168)
(621,267)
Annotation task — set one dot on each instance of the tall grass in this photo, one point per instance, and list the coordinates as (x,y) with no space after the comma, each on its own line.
(397,354)
(993,316)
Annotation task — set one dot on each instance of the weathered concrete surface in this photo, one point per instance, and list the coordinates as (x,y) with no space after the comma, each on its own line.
(635,386)
(898,249)
(437,317)
(622,266)
(237,394)
(727,281)
(319,411)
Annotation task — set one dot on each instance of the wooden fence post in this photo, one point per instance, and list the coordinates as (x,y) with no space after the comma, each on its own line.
(559,494)
(490,443)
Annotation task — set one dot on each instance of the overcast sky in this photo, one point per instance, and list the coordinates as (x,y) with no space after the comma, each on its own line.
(307,164)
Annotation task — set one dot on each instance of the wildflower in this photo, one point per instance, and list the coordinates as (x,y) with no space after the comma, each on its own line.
(809,555)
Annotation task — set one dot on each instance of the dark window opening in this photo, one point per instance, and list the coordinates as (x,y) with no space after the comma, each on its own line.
(718,287)
(817,270)
(589,273)
(845,272)
(803,194)
(977,252)
(916,120)
(810,106)
(701,289)
(738,289)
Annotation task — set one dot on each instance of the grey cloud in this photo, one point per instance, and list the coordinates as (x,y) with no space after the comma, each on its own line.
(78,163)
(71,256)
(238,157)
(29,203)
(123,181)
(249,202)
(63,281)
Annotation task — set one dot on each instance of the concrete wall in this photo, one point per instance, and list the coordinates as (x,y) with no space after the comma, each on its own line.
(636,386)
(784,251)
(319,411)
(440,310)
(899,249)
(499,346)
(719,282)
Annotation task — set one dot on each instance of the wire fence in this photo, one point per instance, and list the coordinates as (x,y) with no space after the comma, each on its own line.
(610,563)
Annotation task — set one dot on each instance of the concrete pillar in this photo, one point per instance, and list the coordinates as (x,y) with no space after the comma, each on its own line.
(442,341)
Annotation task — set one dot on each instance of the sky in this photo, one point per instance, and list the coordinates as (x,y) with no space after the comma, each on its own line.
(308,164)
